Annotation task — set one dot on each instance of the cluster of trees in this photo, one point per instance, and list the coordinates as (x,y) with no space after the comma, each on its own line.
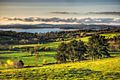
(97,47)
(71,51)
(12,37)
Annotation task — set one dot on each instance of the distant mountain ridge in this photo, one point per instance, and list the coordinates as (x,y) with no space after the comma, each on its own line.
(61,26)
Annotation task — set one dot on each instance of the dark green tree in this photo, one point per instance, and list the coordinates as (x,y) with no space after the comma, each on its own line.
(71,50)
(81,50)
(74,50)
(78,49)
(61,55)
(98,47)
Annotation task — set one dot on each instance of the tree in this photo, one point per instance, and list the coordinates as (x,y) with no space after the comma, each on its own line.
(98,47)
(81,50)
(74,50)
(61,53)
(70,51)
(78,49)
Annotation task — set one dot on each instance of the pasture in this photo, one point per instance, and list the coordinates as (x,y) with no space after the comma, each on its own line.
(29,60)
(105,69)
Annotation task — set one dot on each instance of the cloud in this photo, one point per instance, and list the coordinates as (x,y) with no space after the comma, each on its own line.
(68,20)
(64,12)
(106,13)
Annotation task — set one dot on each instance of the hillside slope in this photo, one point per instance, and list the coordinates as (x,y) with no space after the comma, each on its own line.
(105,69)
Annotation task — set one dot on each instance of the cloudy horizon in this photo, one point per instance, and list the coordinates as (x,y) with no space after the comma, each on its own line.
(62,9)
(55,20)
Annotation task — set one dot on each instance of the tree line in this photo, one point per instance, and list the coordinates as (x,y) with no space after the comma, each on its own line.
(12,37)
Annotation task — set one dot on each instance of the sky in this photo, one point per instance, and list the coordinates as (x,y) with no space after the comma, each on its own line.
(59,1)
(60,8)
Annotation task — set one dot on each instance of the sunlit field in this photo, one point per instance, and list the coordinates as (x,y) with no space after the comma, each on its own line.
(110,35)
(105,69)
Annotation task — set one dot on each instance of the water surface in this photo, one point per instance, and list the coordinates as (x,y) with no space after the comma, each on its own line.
(43,30)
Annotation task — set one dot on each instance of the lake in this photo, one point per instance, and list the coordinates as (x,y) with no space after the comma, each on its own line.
(42,30)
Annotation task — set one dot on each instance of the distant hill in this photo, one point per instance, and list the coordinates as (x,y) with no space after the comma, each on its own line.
(61,26)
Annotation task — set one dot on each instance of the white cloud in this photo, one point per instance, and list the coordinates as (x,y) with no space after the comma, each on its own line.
(38,20)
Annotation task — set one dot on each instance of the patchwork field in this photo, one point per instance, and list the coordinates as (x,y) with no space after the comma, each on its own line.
(104,69)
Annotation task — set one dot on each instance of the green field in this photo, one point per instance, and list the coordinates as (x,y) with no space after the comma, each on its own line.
(105,69)
(27,58)
(48,56)
(31,60)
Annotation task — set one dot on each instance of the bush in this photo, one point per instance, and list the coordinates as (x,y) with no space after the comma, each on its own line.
(18,64)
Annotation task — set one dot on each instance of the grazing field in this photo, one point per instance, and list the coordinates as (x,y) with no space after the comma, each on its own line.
(105,69)
(48,56)
(29,60)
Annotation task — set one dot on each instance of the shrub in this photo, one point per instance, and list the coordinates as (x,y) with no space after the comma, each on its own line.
(18,64)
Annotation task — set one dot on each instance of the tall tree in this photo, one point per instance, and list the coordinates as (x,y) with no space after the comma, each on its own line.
(61,55)
(98,47)
(78,50)
(81,50)
(72,50)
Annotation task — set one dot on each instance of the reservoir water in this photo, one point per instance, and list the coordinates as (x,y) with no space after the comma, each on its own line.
(41,30)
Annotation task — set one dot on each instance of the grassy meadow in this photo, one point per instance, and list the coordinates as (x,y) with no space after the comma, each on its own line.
(103,69)
(29,60)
